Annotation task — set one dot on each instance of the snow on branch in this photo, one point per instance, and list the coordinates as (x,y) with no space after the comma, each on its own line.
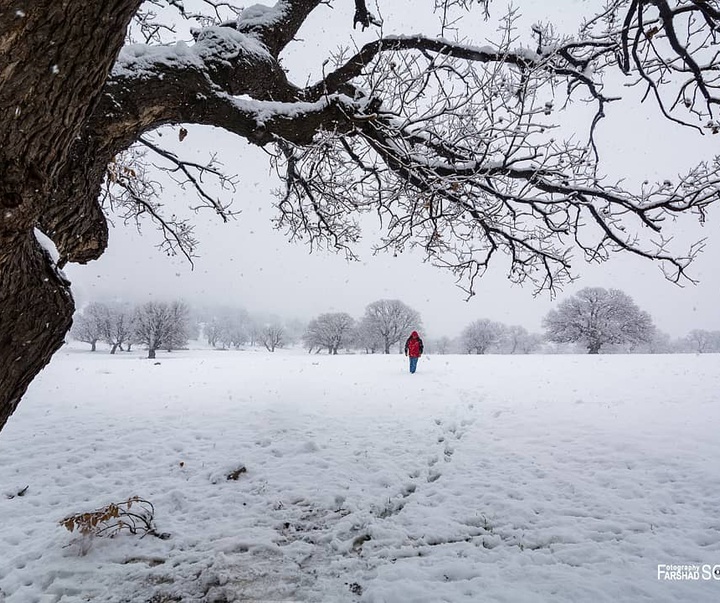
(463,158)
(457,148)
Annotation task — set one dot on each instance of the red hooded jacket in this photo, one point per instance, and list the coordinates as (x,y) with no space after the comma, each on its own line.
(414,345)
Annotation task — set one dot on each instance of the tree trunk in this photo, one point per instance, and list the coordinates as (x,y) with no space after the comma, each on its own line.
(114,348)
(36,310)
(93,346)
(54,61)
(594,347)
(151,353)
(387,348)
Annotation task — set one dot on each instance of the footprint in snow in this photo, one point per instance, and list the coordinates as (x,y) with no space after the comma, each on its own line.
(433,476)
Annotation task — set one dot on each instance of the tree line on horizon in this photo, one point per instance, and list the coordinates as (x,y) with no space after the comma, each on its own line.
(594,320)
(169,326)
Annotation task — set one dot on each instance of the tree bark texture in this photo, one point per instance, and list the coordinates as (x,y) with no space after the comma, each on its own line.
(55,57)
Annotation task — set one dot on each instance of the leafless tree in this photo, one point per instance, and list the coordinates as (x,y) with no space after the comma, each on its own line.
(212,330)
(118,327)
(703,342)
(480,336)
(179,326)
(658,343)
(159,325)
(226,326)
(595,317)
(366,338)
(92,324)
(330,330)
(272,336)
(441,345)
(516,339)
(453,145)
(532,343)
(389,321)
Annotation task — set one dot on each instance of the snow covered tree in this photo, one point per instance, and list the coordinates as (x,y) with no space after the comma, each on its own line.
(212,330)
(658,343)
(272,336)
(227,327)
(159,325)
(331,331)
(595,317)
(451,143)
(233,332)
(389,321)
(518,340)
(701,341)
(441,345)
(179,326)
(91,325)
(480,336)
(118,327)
(365,337)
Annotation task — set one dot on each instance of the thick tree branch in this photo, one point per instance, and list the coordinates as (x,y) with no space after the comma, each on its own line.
(275,27)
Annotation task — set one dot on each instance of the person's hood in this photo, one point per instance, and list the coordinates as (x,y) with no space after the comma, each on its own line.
(414,335)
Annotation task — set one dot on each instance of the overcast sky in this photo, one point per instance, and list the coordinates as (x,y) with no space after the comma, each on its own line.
(247,263)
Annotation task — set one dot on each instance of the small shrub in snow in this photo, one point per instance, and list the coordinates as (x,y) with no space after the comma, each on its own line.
(135,515)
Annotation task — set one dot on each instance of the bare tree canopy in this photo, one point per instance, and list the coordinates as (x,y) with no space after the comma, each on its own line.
(329,331)
(701,341)
(92,324)
(159,325)
(272,336)
(595,317)
(453,145)
(481,335)
(388,321)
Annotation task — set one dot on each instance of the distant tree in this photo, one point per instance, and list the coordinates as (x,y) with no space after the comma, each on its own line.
(179,326)
(272,336)
(389,321)
(658,343)
(481,335)
(522,341)
(365,338)
(532,343)
(233,325)
(701,341)
(156,325)
(90,326)
(441,345)
(329,331)
(595,317)
(117,327)
(255,333)
(212,330)
(517,340)
(194,327)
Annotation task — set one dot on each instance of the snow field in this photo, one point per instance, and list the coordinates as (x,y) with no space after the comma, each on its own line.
(493,478)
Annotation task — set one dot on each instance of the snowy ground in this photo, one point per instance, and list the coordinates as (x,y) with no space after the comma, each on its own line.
(498,478)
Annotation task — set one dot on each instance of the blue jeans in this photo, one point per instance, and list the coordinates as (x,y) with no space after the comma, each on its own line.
(413,364)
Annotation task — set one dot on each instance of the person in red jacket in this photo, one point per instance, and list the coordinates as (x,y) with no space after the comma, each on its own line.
(413,349)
